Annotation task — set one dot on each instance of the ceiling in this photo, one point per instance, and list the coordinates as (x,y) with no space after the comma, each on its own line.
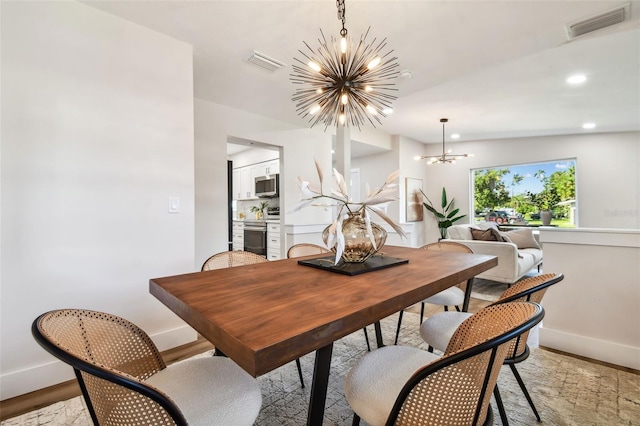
(496,69)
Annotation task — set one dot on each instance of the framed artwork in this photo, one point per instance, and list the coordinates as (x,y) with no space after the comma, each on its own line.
(414,199)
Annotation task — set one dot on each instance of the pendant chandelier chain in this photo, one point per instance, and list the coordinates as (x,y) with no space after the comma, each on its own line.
(341,16)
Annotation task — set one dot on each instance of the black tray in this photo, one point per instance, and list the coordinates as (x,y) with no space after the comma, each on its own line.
(374,263)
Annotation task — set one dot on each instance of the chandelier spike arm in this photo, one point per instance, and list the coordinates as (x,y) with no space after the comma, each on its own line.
(345,83)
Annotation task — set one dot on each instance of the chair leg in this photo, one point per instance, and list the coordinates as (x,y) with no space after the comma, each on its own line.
(300,372)
(398,328)
(366,338)
(421,313)
(503,414)
(524,390)
(446,308)
(356,420)
(457,308)
(430,348)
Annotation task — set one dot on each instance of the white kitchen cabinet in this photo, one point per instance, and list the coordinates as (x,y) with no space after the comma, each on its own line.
(237,184)
(272,167)
(273,241)
(244,178)
(247,186)
(237,232)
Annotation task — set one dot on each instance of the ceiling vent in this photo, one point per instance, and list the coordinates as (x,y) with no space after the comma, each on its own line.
(611,17)
(265,62)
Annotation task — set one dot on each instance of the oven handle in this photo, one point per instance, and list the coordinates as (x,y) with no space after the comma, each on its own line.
(255,228)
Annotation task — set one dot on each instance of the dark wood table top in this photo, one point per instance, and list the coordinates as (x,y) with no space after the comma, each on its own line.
(265,315)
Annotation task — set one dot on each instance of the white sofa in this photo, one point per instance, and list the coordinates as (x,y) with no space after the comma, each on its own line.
(515,258)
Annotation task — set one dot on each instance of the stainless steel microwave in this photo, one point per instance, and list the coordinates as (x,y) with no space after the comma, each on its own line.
(267,186)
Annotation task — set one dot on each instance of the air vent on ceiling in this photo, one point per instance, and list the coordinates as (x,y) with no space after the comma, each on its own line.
(611,17)
(264,61)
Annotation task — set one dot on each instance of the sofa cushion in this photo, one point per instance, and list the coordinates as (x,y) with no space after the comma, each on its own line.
(459,232)
(522,238)
(490,234)
(536,254)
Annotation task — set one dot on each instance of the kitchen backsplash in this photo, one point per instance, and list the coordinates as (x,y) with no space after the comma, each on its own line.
(242,208)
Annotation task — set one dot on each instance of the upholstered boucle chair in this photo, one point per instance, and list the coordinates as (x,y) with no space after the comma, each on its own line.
(125,381)
(437,330)
(452,296)
(398,385)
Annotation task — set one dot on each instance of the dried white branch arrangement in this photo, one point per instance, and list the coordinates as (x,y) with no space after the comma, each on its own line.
(311,194)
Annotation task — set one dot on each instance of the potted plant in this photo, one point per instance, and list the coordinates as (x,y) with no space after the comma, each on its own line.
(259,209)
(447,216)
(544,201)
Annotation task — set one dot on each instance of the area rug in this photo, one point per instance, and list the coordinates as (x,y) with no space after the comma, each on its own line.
(566,390)
(487,290)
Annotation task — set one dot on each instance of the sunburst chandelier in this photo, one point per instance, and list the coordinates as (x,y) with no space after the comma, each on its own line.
(446,156)
(342,83)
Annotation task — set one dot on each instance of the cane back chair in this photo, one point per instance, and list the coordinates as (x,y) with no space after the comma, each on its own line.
(437,330)
(399,385)
(453,296)
(230,259)
(125,381)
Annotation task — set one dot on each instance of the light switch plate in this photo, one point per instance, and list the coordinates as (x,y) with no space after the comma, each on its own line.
(174,204)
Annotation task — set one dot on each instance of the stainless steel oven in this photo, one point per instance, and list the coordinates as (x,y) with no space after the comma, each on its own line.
(255,236)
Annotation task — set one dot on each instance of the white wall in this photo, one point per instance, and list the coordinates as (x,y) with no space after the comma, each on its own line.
(595,311)
(97,134)
(214,124)
(608,186)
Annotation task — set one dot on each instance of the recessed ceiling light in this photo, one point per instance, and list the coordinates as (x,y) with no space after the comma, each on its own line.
(455,136)
(577,79)
(406,74)
(589,125)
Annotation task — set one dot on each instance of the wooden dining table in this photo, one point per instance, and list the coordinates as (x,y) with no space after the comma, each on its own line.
(265,315)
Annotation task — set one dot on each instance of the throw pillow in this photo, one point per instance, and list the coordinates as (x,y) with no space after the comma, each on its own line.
(522,238)
(487,225)
(490,234)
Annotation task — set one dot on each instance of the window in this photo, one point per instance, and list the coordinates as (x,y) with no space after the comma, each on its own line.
(521,194)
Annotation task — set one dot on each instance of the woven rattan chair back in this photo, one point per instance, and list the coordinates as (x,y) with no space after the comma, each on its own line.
(449,246)
(530,290)
(457,388)
(229,259)
(111,358)
(306,249)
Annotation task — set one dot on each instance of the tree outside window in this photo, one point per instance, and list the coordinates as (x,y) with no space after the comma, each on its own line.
(517,194)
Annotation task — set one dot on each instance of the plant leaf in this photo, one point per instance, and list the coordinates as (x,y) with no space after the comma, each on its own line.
(390,221)
(392,177)
(301,205)
(453,213)
(457,218)
(319,169)
(367,221)
(444,198)
(341,183)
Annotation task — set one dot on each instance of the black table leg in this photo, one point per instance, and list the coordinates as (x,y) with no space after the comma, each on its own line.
(467,295)
(379,341)
(319,385)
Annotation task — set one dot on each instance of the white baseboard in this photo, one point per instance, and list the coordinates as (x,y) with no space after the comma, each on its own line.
(42,376)
(601,350)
